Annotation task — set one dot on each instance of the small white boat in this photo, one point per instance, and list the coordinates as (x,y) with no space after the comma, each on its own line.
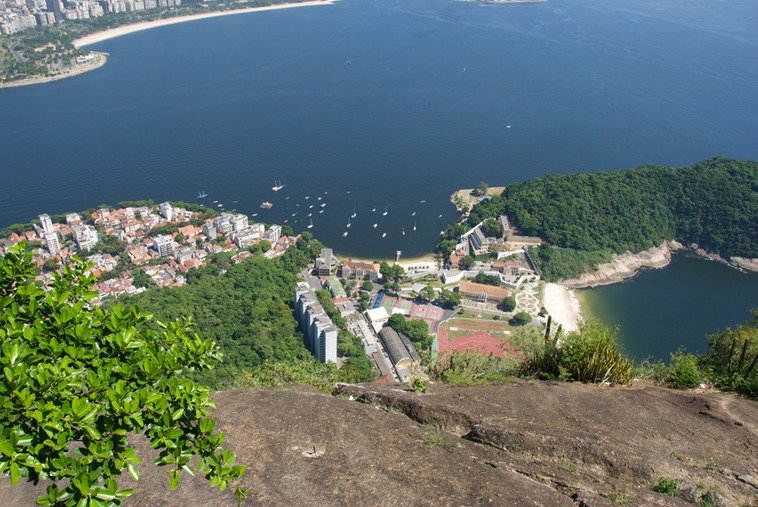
(414,226)
(214,202)
(310,214)
(294,214)
(385,212)
(348,223)
(413,214)
(319,198)
(286,198)
(423,201)
(286,220)
(344,234)
(310,225)
(255,214)
(375,225)
(355,213)
(307,197)
(384,234)
(320,211)
(311,206)
(373,210)
(439,216)
(403,231)
(277,186)
(322,204)
(219,205)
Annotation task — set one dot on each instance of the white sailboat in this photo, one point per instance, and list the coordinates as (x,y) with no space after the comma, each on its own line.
(348,223)
(310,225)
(355,213)
(344,234)
(277,186)
(375,225)
(403,231)
(414,226)
(385,212)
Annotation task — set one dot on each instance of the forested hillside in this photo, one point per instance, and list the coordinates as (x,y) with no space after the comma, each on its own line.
(713,203)
(246,311)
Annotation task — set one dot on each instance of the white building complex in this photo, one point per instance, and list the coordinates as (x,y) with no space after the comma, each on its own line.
(320,333)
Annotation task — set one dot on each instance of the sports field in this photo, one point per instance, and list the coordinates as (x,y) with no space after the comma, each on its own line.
(484,336)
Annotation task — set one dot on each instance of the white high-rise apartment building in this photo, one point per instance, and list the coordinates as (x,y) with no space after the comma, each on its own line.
(167,211)
(46,223)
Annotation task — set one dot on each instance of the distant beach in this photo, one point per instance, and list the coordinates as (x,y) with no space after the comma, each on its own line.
(101,58)
(137,27)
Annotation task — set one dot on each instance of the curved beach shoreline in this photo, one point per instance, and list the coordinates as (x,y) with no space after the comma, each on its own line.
(146,25)
(112,33)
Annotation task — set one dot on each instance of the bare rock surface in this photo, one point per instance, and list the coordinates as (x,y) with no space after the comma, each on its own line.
(533,444)
(625,266)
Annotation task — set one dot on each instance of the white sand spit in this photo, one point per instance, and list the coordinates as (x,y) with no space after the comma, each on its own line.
(563,306)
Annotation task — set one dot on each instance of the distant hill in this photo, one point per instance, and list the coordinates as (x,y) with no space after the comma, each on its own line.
(590,216)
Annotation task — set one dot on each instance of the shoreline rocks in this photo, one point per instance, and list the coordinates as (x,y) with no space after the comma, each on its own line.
(627,265)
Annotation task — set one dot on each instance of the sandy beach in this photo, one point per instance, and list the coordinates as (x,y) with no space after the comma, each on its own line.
(137,27)
(561,303)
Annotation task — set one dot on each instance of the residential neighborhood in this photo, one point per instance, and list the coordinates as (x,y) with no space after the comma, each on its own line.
(134,247)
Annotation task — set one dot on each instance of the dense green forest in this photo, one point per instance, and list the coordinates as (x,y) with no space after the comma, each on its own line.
(246,311)
(588,216)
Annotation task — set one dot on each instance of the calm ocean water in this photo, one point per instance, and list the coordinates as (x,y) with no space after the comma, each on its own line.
(374,104)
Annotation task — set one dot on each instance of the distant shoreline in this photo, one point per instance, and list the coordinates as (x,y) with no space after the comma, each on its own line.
(147,25)
(138,27)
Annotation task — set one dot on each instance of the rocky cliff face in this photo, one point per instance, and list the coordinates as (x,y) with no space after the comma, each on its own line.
(535,444)
(625,266)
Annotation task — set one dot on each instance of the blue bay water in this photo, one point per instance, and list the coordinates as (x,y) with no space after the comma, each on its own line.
(231,104)
(660,310)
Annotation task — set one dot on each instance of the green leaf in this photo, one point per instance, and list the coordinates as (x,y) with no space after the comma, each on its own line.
(174,479)
(133,471)
(7,448)
(15,473)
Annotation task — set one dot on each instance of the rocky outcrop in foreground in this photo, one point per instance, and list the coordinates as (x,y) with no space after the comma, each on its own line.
(535,444)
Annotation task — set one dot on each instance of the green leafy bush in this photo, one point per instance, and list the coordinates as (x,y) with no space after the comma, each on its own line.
(472,368)
(734,357)
(78,381)
(667,486)
(419,385)
(589,355)
(520,319)
(684,372)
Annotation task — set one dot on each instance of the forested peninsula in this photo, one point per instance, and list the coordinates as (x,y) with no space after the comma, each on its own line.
(586,218)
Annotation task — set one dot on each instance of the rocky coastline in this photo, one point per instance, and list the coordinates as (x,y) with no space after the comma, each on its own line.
(627,265)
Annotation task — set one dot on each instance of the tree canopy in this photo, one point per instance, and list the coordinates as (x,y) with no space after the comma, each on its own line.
(79,382)
(246,311)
